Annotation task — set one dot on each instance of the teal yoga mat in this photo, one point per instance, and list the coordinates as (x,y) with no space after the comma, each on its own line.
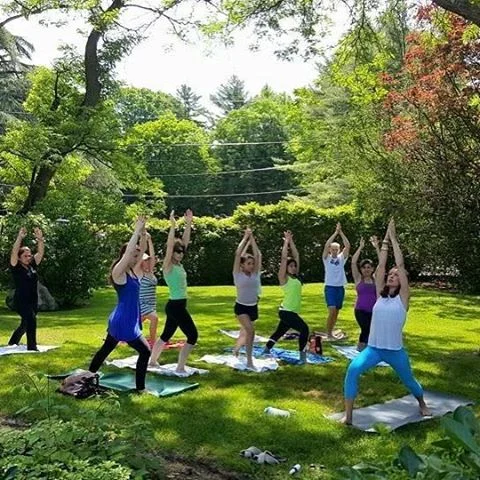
(125,382)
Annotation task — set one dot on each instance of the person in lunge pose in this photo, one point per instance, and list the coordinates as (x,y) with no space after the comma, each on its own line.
(246,277)
(334,262)
(385,342)
(148,290)
(366,291)
(288,276)
(176,308)
(124,321)
(23,265)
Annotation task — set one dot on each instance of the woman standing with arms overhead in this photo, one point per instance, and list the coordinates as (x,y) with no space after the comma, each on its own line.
(124,321)
(334,262)
(148,290)
(176,308)
(23,265)
(246,277)
(288,276)
(366,291)
(385,342)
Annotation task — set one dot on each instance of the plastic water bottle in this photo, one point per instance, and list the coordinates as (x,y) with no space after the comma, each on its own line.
(295,469)
(277,412)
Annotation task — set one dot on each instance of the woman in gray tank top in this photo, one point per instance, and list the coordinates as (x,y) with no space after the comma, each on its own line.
(246,277)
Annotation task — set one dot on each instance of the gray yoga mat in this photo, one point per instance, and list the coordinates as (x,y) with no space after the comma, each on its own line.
(402,411)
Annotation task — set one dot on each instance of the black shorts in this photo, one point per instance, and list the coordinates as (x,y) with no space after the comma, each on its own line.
(250,310)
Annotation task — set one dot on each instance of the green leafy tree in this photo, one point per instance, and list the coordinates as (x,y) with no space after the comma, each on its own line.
(140,105)
(231,95)
(176,152)
(191,108)
(250,138)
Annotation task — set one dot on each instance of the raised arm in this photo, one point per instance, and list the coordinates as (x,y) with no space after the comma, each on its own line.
(329,241)
(295,253)
(167,260)
(357,276)
(188,229)
(282,271)
(375,244)
(142,249)
(120,269)
(382,262)
(151,252)
(346,245)
(257,254)
(40,245)
(22,233)
(241,250)
(402,274)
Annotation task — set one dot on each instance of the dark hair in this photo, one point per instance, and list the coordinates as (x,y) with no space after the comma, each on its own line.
(365,261)
(178,246)
(121,253)
(291,260)
(22,250)
(246,257)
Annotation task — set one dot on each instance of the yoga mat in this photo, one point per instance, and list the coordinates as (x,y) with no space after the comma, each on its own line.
(169,369)
(240,363)
(13,349)
(402,411)
(236,333)
(125,381)
(351,352)
(288,356)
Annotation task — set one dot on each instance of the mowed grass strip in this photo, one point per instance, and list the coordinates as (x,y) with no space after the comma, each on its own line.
(225,415)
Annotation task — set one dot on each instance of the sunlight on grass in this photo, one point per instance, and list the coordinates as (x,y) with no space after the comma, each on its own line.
(225,415)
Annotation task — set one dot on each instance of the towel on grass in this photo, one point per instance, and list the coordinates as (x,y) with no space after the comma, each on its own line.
(240,363)
(13,349)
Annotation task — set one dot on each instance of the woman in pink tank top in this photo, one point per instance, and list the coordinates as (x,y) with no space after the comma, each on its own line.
(366,292)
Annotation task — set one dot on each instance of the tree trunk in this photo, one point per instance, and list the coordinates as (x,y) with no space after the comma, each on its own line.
(469,10)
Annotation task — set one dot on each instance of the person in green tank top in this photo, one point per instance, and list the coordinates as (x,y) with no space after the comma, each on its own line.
(288,276)
(176,307)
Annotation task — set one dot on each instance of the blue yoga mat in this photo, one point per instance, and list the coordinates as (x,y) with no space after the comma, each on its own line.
(288,356)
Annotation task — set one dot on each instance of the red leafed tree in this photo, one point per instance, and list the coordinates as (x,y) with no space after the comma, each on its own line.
(433,110)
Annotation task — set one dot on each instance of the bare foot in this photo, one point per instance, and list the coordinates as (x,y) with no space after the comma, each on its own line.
(346,422)
(153,364)
(425,411)
(251,366)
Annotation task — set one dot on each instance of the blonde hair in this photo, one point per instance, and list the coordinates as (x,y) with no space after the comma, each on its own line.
(335,244)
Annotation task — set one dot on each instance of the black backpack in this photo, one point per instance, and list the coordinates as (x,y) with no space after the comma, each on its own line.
(81,385)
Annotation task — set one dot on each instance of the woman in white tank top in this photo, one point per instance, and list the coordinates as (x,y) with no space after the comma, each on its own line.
(385,342)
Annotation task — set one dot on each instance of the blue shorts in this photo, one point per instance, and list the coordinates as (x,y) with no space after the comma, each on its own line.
(334,296)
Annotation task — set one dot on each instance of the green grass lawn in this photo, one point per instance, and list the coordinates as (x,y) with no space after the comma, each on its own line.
(225,415)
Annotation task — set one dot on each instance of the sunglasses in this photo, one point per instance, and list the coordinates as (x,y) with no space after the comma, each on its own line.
(179,250)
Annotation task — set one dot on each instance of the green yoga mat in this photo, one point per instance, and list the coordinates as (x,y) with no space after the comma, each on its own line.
(125,382)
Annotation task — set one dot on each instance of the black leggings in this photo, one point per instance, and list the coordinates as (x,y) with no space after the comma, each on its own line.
(364,320)
(27,325)
(178,317)
(290,320)
(139,344)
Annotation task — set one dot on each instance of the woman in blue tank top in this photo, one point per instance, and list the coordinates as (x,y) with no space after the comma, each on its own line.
(124,321)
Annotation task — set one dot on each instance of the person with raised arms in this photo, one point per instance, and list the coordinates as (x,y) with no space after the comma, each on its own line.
(246,277)
(148,290)
(176,307)
(385,342)
(335,279)
(124,322)
(23,265)
(288,277)
(366,291)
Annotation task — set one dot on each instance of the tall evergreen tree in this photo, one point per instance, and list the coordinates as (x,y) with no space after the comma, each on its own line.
(231,95)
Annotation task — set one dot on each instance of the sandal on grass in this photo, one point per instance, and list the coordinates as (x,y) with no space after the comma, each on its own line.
(268,458)
(250,452)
